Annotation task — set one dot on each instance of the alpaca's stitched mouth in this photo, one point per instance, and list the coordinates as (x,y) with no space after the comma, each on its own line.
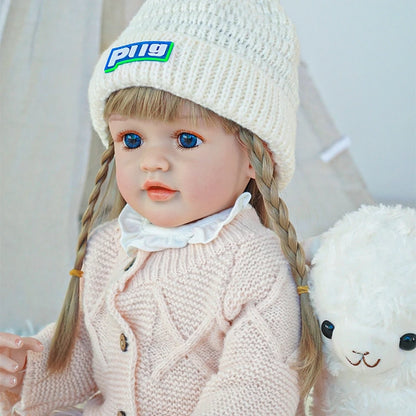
(362,359)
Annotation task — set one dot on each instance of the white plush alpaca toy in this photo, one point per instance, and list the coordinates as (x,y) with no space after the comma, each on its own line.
(363,290)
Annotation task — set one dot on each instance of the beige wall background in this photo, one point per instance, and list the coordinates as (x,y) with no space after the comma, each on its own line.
(361,56)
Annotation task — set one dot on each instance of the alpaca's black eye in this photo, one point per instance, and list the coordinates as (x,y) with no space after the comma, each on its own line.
(327,328)
(408,342)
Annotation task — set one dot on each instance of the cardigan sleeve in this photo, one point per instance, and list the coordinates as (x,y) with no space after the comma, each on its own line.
(254,375)
(42,392)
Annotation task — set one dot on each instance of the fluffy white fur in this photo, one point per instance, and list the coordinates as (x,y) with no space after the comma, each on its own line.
(363,280)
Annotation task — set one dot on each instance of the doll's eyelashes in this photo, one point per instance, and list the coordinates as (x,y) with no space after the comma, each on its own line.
(132,140)
(185,140)
(408,342)
(188,140)
(327,329)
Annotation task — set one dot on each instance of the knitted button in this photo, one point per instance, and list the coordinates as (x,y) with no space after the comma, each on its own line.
(121,413)
(123,343)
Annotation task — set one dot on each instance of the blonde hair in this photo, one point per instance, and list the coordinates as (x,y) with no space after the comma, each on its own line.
(151,103)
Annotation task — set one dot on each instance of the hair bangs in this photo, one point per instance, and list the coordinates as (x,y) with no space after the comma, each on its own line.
(152,103)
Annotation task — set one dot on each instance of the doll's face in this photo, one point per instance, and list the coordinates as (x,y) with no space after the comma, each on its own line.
(176,172)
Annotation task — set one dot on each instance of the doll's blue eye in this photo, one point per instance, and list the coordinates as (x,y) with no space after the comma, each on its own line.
(408,342)
(327,329)
(188,140)
(132,140)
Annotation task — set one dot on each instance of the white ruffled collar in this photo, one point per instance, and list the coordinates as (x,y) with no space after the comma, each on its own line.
(139,233)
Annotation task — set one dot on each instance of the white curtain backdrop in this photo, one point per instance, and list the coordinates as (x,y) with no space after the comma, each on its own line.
(320,192)
(47,51)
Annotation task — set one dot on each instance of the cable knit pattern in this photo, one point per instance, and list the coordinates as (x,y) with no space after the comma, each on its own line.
(208,329)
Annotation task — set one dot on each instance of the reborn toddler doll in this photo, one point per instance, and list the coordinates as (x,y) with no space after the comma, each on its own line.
(188,303)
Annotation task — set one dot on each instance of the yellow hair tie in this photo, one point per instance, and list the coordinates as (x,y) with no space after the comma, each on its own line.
(302,290)
(76,273)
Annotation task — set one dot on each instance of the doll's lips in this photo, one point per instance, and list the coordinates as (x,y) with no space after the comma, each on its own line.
(158,191)
(160,194)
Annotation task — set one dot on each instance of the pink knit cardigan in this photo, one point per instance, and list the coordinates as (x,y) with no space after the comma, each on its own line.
(209,329)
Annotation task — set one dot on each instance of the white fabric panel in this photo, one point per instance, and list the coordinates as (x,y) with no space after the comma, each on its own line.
(47,51)
(320,193)
(4,11)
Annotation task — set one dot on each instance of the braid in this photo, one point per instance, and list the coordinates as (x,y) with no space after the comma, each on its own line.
(278,220)
(67,324)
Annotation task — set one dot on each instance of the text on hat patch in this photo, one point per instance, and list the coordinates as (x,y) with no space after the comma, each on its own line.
(141,51)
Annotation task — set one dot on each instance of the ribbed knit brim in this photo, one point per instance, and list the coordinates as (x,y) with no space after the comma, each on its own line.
(237,58)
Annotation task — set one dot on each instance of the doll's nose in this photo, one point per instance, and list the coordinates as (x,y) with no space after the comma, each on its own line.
(154,159)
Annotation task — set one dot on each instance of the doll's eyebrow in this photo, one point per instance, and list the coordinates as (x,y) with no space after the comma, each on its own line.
(117,117)
(188,117)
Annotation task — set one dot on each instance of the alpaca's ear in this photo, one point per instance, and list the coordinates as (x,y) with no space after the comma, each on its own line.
(310,247)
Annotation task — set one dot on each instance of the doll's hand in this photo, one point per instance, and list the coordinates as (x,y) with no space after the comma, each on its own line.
(13,353)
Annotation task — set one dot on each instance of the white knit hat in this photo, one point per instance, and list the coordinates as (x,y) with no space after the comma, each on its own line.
(237,58)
